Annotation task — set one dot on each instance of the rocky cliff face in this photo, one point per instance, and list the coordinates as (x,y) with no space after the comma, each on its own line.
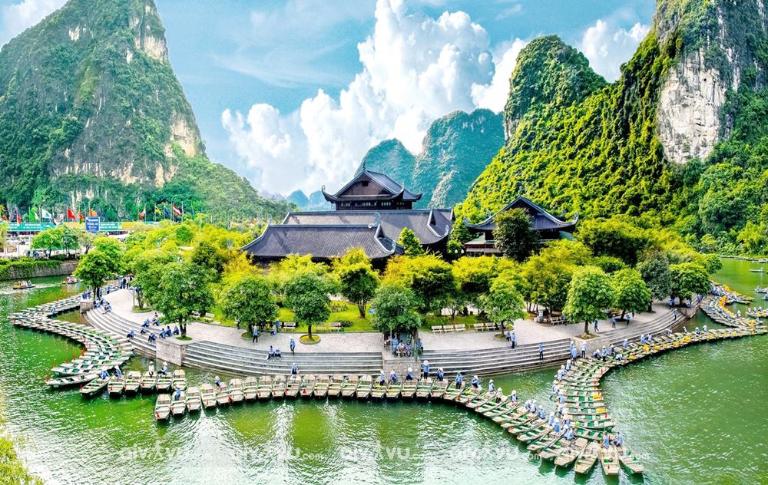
(717,53)
(90,107)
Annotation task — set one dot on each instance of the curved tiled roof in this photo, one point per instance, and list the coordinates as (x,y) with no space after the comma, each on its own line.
(393,189)
(542,220)
(321,241)
(429,225)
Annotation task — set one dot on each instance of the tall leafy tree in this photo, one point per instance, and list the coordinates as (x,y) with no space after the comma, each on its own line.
(503,303)
(589,295)
(615,237)
(429,277)
(395,309)
(3,234)
(306,294)
(410,243)
(357,282)
(689,279)
(514,236)
(113,250)
(656,274)
(95,268)
(183,289)
(47,240)
(632,294)
(249,301)
(206,255)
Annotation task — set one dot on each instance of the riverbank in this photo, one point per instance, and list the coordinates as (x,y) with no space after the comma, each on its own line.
(25,268)
(12,470)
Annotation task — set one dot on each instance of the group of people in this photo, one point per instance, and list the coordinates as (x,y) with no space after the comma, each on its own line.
(511,338)
(617,440)
(274,353)
(405,348)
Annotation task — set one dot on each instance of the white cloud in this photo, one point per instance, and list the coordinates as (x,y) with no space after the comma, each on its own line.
(18,17)
(608,46)
(414,69)
(493,96)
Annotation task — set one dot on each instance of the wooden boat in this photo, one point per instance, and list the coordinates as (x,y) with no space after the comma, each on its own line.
(546,442)
(349,386)
(75,380)
(179,380)
(163,407)
(438,389)
(70,280)
(587,458)
(628,460)
(570,453)
(208,395)
(757,270)
(609,459)
(452,392)
(307,386)
(147,383)
(178,403)
(194,400)
(132,382)
(23,285)
(222,395)
(334,388)
(236,394)
(424,388)
(251,388)
(94,387)
(265,387)
(116,387)
(163,383)
(365,388)
(393,390)
(278,387)
(409,389)
(293,386)
(322,387)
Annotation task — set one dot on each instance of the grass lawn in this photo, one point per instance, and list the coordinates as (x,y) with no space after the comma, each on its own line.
(430,320)
(346,312)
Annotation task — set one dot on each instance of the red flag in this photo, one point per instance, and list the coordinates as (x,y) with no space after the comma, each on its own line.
(18,217)
(176,210)
(70,214)
(142,214)
(92,213)
(80,216)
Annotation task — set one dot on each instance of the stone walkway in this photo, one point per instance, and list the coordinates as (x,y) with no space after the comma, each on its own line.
(527,332)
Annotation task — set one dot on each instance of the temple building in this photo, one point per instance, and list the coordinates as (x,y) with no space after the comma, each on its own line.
(371,212)
(548,226)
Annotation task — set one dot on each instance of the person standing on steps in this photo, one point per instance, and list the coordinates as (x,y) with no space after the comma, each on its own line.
(583,350)
(292,345)
(541,351)
(513,338)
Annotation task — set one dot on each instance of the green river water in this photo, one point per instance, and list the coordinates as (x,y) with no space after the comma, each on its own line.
(696,415)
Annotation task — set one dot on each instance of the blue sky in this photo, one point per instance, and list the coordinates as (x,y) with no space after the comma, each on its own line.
(292,93)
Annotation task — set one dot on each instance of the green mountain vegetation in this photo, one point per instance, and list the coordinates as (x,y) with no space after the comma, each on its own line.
(92,113)
(679,140)
(456,149)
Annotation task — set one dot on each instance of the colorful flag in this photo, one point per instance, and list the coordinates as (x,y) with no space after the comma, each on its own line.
(80,216)
(176,210)
(142,214)
(18,217)
(70,214)
(92,213)
(32,214)
(45,214)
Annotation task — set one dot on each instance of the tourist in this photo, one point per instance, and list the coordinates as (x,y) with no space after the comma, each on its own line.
(583,350)
(613,321)
(392,377)
(459,381)
(425,369)
(596,329)
(176,330)
(499,395)
(382,377)
(278,354)
(118,372)
(551,419)
(606,441)
(569,434)
(394,343)
(626,343)
(618,440)
(103,374)
(574,352)
(513,338)
(177,394)
(254,334)
(541,351)
(151,338)
(556,427)
(131,334)
(508,335)
(151,369)
(292,345)
(475,382)
(409,374)
(294,369)
(271,353)
(217,382)
(491,386)
(440,374)
(513,396)
(164,370)
(146,323)
(561,398)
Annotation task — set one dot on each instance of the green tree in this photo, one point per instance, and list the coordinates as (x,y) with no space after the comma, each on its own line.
(503,303)
(206,255)
(689,279)
(70,238)
(249,301)
(589,295)
(306,294)
(754,238)
(94,269)
(183,289)
(395,309)
(656,274)
(47,240)
(549,273)
(148,269)
(429,277)
(474,276)
(113,250)
(615,237)
(632,294)
(410,243)
(3,234)
(357,283)
(514,234)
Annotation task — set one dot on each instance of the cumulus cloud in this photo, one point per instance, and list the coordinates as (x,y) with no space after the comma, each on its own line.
(18,17)
(415,69)
(608,46)
(493,96)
